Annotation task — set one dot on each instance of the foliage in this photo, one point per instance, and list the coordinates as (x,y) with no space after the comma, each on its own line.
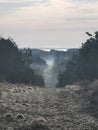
(69,75)
(27,56)
(12,66)
(88,59)
(84,66)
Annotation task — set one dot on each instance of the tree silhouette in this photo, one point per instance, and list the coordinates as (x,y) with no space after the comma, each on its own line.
(12,66)
(84,66)
(27,56)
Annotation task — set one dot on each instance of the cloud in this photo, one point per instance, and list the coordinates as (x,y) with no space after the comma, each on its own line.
(22,3)
(73,19)
(82,11)
(81,1)
(8,6)
(82,5)
(32,20)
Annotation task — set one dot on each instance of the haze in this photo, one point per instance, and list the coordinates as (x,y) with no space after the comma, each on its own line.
(48,23)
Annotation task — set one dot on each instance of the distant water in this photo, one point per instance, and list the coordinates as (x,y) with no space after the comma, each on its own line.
(49,49)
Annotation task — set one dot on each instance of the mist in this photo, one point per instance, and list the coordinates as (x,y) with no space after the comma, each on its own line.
(49,63)
(49,77)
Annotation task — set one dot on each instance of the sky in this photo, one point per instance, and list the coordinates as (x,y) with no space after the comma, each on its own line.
(48,23)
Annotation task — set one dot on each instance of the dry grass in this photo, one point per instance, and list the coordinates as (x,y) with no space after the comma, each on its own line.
(45,108)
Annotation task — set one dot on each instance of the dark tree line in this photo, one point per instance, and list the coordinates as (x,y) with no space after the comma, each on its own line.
(84,66)
(12,66)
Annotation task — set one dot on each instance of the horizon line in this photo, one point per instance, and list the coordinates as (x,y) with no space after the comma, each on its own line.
(51,48)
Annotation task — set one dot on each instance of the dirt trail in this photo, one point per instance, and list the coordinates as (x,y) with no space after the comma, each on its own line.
(61,108)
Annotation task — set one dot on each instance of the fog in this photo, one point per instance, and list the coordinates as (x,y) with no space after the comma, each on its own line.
(49,77)
(49,63)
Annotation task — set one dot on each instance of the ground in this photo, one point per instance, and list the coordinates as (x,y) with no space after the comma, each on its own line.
(57,108)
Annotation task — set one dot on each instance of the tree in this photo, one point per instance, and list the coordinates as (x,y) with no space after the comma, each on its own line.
(88,58)
(12,66)
(84,66)
(70,74)
(27,56)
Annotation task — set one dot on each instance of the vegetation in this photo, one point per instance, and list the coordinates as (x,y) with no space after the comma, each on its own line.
(12,66)
(84,66)
(27,56)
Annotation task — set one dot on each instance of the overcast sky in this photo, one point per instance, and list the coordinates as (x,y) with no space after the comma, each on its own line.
(48,23)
